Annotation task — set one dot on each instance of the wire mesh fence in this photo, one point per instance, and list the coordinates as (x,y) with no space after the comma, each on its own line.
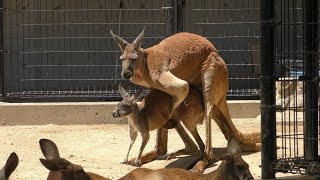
(61,50)
(297,70)
(64,49)
(234,28)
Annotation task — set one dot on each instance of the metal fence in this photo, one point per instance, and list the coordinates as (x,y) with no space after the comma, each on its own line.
(234,28)
(61,50)
(291,120)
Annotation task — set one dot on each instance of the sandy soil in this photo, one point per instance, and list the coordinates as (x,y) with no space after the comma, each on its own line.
(101,148)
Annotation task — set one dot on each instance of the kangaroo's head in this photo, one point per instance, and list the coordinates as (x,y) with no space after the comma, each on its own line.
(60,168)
(128,103)
(132,57)
(232,165)
(9,167)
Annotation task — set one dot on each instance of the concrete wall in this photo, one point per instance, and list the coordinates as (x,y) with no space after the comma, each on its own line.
(89,113)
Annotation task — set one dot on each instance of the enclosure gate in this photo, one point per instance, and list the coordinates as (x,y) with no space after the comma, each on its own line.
(61,50)
(290,87)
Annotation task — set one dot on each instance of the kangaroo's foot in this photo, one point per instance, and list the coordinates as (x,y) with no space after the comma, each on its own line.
(136,163)
(148,157)
(124,162)
(205,161)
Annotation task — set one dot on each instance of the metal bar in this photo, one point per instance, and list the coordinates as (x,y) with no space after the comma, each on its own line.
(169,18)
(180,15)
(267,86)
(311,71)
(2,71)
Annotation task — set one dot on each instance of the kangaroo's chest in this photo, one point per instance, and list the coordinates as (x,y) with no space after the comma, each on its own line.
(139,79)
(138,123)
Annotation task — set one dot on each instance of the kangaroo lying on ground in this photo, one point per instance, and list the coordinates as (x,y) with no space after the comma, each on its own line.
(232,167)
(60,168)
(175,63)
(9,167)
(154,113)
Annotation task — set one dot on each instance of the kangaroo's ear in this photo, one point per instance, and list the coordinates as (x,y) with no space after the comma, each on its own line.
(137,42)
(123,92)
(121,42)
(138,96)
(49,149)
(233,146)
(55,164)
(10,165)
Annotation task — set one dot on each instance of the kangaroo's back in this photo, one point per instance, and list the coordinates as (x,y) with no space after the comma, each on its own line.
(162,174)
(186,51)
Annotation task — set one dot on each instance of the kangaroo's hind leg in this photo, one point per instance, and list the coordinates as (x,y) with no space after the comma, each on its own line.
(214,79)
(190,146)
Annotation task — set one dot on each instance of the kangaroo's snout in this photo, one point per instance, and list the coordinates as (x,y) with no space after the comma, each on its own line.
(127,74)
(114,114)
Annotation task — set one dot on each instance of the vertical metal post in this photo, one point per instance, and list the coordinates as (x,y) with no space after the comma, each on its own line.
(169,18)
(311,71)
(180,15)
(2,51)
(267,85)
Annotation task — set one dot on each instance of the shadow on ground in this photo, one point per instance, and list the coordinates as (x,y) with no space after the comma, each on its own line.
(187,162)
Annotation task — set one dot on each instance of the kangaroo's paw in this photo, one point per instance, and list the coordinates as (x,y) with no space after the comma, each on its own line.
(166,157)
(124,162)
(200,166)
(136,163)
(203,163)
(145,158)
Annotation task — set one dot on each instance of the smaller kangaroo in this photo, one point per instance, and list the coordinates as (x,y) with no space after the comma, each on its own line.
(60,168)
(232,167)
(9,167)
(154,113)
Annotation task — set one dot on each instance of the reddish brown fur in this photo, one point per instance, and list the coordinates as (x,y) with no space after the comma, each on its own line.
(156,109)
(60,168)
(232,167)
(154,112)
(57,175)
(179,61)
(191,49)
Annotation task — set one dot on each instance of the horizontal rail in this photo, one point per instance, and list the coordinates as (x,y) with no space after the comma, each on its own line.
(90,23)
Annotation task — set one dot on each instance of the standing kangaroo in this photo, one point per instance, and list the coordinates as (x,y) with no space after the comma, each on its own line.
(154,113)
(172,65)
(60,168)
(232,167)
(9,167)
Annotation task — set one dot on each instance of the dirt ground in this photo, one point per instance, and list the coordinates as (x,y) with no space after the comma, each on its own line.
(101,148)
